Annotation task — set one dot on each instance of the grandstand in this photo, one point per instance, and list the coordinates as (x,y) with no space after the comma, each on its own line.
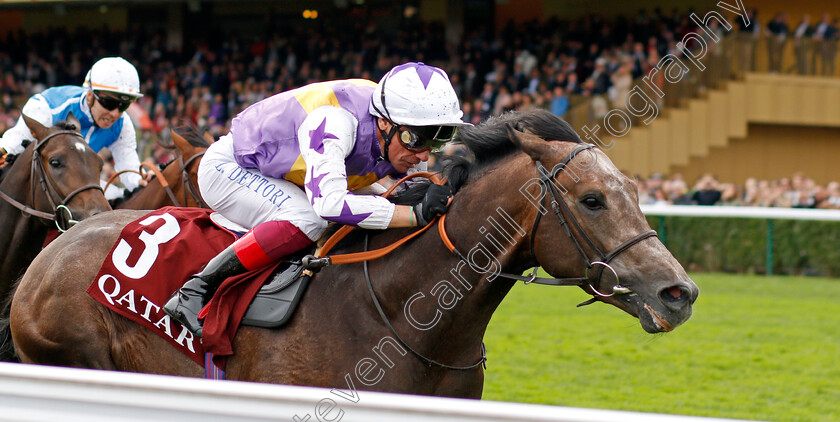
(732,114)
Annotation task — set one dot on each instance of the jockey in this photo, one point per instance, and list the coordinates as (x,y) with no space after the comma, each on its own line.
(302,158)
(111,85)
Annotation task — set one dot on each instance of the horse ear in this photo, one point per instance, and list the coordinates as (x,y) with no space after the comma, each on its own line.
(179,141)
(208,137)
(73,121)
(38,130)
(531,144)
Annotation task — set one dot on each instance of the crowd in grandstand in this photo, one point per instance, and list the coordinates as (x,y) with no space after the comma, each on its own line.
(797,191)
(547,64)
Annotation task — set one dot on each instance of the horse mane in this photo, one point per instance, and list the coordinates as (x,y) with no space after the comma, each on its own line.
(63,125)
(191,134)
(489,143)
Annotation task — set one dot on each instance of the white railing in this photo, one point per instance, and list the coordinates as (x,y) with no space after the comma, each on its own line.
(763,213)
(43,393)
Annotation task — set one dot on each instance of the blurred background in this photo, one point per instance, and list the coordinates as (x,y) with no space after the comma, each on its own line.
(759,125)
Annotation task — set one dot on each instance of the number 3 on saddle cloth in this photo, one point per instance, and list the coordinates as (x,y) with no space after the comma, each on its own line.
(153,257)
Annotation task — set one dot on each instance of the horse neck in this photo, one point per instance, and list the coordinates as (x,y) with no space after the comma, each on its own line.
(486,226)
(21,235)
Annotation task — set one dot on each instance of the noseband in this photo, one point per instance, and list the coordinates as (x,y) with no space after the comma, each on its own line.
(62,215)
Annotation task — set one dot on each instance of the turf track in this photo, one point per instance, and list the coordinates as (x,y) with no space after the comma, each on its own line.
(765,348)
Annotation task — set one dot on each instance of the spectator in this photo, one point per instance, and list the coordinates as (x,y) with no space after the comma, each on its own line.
(706,192)
(803,45)
(747,37)
(777,32)
(560,102)
(825,37)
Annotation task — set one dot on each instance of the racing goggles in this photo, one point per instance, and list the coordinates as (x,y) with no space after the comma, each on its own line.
(110,103)
(420,138)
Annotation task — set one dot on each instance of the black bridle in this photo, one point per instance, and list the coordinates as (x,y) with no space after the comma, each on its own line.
(573,231)
(189,187)
(62,215)
(564,215)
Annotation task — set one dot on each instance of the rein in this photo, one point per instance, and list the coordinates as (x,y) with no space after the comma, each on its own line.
(189,186)
(321,260)
(431,362)
(62,215)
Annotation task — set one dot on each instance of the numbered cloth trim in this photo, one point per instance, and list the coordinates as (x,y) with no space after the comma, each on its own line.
(153,257)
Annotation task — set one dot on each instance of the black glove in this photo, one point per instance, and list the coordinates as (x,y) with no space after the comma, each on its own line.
(434,203)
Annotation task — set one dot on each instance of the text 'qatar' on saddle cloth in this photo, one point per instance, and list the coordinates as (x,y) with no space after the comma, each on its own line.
(153,257)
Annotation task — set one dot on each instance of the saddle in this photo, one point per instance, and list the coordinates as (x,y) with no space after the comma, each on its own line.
(277,299)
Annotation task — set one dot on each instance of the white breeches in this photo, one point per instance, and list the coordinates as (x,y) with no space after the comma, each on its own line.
(249,198)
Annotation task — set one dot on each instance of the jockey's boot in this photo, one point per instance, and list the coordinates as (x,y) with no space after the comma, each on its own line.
(187,302)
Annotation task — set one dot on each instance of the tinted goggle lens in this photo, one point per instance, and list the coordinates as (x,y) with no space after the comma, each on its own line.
(110,103)
(431,137)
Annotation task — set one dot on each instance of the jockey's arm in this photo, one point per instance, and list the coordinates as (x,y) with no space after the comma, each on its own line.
(124,151)
(36,108)
(326,138)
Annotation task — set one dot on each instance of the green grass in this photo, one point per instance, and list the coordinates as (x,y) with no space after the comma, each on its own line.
(765,348)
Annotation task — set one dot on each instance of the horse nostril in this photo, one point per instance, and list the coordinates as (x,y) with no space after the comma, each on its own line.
(676,295)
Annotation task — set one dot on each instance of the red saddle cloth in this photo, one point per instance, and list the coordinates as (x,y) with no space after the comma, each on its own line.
(153,258)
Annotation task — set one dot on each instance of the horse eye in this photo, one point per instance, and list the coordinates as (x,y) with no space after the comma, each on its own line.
(56,163)
(592,203)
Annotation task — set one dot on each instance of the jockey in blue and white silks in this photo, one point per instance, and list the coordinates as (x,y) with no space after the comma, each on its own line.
(302,158)
(99,106)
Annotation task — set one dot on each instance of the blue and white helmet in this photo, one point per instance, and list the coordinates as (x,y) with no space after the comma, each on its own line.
(416,94)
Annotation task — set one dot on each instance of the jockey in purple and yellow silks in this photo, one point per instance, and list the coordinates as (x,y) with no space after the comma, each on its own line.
(302,158)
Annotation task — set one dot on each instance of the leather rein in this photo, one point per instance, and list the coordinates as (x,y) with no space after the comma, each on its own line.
(62,216)
(189,187)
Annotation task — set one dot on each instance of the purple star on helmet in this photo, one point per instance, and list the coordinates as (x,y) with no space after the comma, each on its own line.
(423,71)
(314,186)
(347,217)
(317,137)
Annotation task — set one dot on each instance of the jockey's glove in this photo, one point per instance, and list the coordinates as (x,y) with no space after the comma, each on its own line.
(434,203)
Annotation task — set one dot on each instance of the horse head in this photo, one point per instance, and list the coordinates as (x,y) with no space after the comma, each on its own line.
(582,223)
(64,174)
(191,147)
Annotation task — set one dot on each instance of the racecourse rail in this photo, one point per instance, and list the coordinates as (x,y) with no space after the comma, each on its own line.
(44,393)
(763,213)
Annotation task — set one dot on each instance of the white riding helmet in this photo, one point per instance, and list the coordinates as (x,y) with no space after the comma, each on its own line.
(114,74)
(415,94)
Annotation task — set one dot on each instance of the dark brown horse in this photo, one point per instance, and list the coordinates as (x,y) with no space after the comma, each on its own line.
(177,184)
(54,182)
(413,321)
